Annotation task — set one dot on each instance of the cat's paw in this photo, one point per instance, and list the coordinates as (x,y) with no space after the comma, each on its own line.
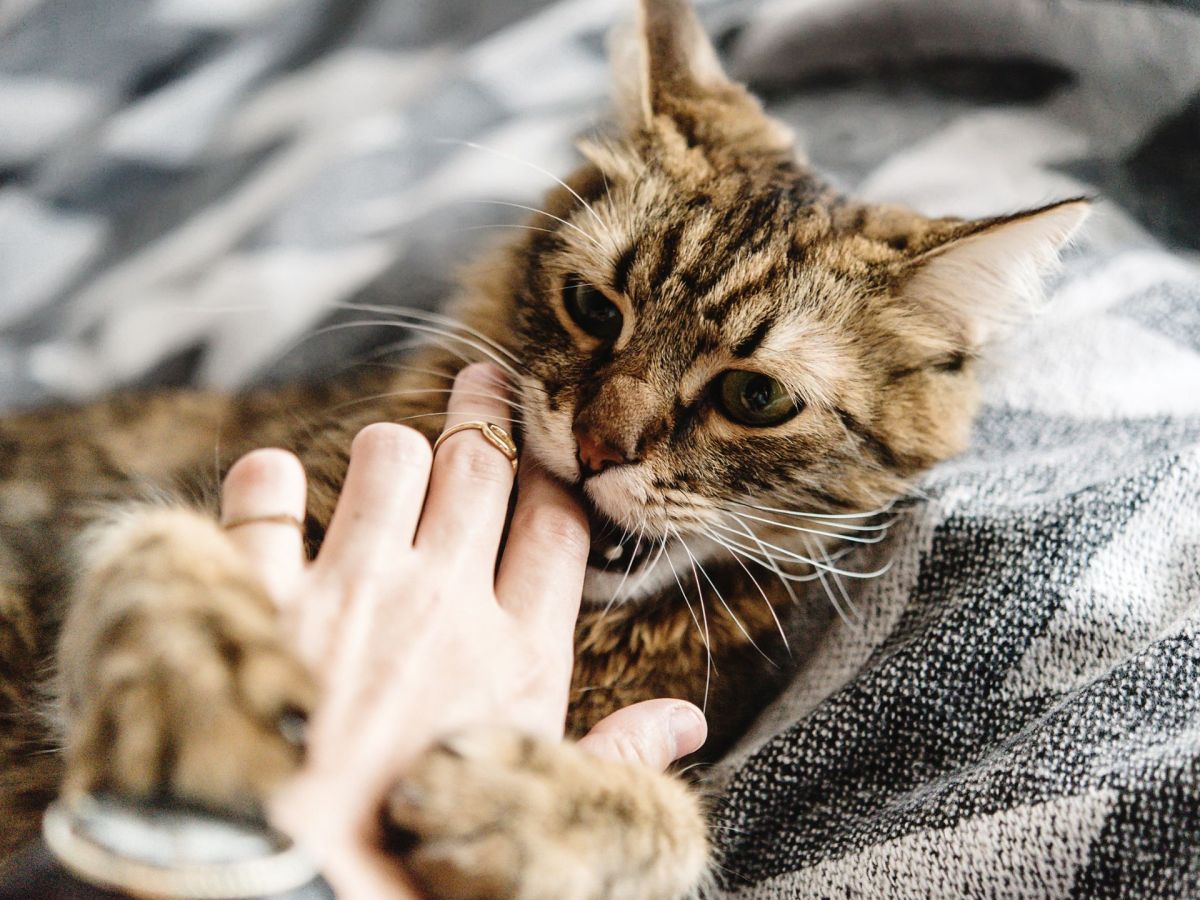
(176,679)
(492,813)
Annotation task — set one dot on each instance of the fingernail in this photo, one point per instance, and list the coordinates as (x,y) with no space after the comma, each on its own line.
(688,729)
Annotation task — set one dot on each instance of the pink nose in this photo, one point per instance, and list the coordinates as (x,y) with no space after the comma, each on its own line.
(595,454)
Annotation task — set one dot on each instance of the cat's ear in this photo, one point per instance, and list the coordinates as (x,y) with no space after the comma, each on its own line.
(664,56)
(665,66)
(986,278)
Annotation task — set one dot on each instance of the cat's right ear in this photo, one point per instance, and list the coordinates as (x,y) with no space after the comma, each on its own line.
(667,71)
(662,56)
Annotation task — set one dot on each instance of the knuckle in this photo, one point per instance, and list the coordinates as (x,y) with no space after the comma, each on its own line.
(480,377)
(640,748)
(564,529)
(394,443)
(622,746)
(471,457)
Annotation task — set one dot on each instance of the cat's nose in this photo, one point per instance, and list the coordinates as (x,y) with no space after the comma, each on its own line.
(595,453)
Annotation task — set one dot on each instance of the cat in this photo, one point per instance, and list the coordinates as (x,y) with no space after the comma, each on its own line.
(737,366)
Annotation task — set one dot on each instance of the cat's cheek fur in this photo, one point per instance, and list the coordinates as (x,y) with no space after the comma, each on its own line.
(548,438)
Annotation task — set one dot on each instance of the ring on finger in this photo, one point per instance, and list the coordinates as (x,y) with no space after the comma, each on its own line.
(494,434)
(270,519)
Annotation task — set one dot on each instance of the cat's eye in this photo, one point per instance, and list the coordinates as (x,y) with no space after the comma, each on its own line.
(591,310)
(754,399)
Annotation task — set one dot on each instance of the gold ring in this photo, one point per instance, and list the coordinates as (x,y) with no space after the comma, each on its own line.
(273,519)
(494,434)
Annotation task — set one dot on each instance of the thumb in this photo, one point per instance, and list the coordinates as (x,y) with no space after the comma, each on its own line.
(652,733)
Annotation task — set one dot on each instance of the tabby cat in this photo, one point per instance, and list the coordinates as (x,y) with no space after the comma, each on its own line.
(752,365)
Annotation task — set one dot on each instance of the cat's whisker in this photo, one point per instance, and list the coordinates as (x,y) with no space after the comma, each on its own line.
(428,415)
(774,566)
(812,515)
(649,567)
(629,568)
(524,162)
(431,317)
(489,354)
(770,607)
(411,392)
(767,562)
(833,599)
(431,340)
(542,212)
(704,636)
(783,552)
(485,348)
(697,565)
(845,595)
(509,225)
(830,534)
(418,370)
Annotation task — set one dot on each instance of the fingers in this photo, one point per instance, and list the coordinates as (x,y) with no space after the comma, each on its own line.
(652,733)
(381,499)
(472,479)
(269,486)
(545,558)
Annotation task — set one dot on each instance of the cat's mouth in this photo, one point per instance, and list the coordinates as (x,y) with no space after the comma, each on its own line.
(616,550)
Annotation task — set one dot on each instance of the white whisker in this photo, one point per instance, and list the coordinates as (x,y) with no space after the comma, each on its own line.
(489,354)
(542,212)
(408,392)
(772,564)
(842,614)
(629,568)
(812,515)
(767,563)
(432,317)
(703,632)
(524,162)
(841,537)
(837,581)
(812,562)
(697,565)
(786,584)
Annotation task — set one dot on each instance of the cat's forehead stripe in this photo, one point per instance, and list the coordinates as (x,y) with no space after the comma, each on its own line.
(624,263)
(751,342)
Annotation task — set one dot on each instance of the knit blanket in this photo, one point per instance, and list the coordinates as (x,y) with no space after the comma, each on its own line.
(190,188)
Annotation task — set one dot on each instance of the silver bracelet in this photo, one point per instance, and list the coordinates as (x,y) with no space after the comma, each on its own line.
(163,851)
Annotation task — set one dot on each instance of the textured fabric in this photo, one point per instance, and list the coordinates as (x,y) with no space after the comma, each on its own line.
(189,188)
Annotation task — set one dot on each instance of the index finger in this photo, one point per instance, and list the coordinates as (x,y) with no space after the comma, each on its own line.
(542,569)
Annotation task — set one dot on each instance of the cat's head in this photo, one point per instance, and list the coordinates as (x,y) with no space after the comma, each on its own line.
(714,341)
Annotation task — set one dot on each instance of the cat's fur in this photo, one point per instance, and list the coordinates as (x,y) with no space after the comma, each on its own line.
(721,251)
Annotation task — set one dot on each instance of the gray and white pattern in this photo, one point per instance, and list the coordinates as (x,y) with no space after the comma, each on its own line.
(189,188)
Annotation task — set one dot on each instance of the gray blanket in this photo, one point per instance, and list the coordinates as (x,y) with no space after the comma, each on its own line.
(190,188)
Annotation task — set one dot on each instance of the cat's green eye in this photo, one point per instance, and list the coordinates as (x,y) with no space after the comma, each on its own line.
(591,310)
(754,399)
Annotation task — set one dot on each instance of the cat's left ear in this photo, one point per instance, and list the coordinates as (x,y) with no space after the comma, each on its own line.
(665,66)
(987,277)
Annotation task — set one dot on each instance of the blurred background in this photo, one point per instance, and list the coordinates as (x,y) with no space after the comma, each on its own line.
(190,188)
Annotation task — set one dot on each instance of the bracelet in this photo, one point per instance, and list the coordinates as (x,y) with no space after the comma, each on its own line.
(167,851)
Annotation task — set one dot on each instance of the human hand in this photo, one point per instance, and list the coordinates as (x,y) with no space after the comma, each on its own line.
(413,629)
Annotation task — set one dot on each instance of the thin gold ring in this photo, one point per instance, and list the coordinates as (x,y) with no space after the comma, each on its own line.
(494,434)
(272,519)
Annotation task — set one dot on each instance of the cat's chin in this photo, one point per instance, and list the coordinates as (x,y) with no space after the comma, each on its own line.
(625,569)
(621,566)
